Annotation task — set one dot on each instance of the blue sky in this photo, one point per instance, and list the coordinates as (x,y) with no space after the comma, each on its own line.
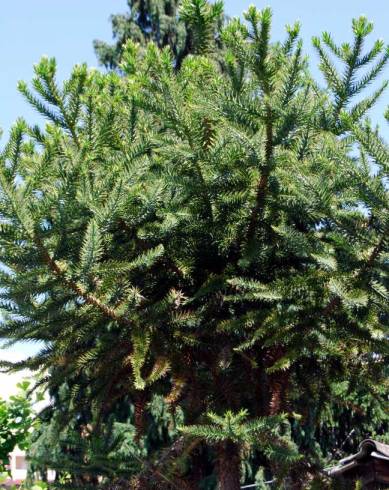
(65,29)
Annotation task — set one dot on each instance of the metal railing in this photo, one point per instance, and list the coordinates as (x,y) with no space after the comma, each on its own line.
(255,485)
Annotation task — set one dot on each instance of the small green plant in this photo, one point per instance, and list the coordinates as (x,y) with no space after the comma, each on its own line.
(39,486)
(3,477)
(16,420)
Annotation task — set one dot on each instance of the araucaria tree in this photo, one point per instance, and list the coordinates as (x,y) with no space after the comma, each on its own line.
(215,239)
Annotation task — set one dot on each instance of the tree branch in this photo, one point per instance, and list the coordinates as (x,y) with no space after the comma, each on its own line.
(336,301)
(262,185)
(77,288)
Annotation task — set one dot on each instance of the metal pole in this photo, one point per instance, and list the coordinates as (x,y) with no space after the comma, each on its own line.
(254,485)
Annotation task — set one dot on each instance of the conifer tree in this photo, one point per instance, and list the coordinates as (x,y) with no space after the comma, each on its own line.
(210,238)
(185,27)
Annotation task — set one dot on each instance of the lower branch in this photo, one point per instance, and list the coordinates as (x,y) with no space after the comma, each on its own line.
(79,290)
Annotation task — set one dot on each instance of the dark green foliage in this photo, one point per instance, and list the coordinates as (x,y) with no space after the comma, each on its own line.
(80,443)
(216,240)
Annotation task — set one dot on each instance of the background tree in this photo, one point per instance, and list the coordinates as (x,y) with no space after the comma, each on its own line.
(185,27)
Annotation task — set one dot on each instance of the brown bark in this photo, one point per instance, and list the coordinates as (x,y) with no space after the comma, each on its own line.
(375,253)
(140,403)
(198,463)
(278,382)
(228,466)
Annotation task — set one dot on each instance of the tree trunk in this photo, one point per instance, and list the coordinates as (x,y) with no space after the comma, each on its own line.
(228,466)
(140,483)
(140,403)
(198,465)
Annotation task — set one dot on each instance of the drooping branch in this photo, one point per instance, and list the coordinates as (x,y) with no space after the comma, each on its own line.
(90,299)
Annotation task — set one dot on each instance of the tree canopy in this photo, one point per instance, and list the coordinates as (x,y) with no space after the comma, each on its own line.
(210,242)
